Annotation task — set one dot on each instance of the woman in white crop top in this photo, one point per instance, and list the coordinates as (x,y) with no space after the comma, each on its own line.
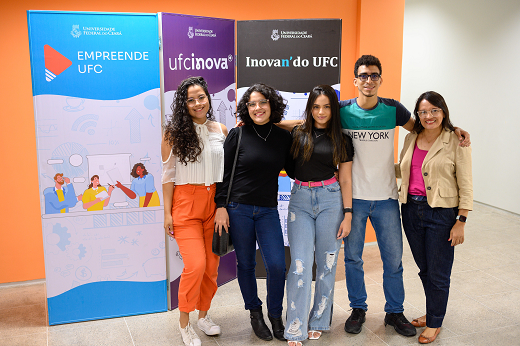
(193,161)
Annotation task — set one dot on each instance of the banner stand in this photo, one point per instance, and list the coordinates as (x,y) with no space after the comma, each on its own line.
(198,46)
(96,89)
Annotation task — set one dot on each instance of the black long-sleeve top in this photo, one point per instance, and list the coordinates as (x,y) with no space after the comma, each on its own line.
(258,165)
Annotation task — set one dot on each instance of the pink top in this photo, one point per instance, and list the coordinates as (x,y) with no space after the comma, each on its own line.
(416,179)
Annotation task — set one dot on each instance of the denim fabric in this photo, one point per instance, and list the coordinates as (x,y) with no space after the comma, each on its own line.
(384,216)
(249,225)
(313,221)
(428,230)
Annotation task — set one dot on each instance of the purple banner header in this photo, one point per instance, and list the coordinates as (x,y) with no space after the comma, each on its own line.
(198,46)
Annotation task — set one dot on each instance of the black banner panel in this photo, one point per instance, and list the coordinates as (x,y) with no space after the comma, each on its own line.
(290,55)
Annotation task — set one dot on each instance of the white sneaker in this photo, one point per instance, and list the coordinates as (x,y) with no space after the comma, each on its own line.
(208,326)
(189,337)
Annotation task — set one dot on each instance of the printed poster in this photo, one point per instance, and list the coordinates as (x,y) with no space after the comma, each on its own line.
(199,46)
(292,56)
(96,92)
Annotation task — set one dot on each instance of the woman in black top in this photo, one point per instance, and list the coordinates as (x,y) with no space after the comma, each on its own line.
(320,213)
(252,213)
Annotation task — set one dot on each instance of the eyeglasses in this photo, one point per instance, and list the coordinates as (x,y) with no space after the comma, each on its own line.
(435,112)
(202,99)
(261,103)
(374,77)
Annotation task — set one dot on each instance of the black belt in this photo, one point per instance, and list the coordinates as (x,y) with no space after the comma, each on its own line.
(418,199)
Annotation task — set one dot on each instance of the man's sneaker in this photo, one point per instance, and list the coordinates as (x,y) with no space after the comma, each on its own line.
(400,324)
(208,326)
(189,337)
(355,321)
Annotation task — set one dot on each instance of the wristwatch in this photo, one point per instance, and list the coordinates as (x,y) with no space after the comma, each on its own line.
(461,218)
(347,210)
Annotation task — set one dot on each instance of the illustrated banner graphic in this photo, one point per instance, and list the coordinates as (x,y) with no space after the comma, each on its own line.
(292,56)
(199,46)
(96,92)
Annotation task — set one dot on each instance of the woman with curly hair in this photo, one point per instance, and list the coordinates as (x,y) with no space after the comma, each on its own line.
(143,186)
(193,161)
(252,213)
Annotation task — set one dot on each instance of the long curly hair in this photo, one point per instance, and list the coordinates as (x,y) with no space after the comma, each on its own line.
(179,130)
(303,140)
(133,173)
(276,102)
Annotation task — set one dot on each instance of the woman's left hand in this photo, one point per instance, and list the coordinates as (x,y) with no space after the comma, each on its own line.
(457,234)
(221,220)
(344,227)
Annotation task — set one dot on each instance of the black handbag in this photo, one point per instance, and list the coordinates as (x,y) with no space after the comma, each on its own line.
(221,244)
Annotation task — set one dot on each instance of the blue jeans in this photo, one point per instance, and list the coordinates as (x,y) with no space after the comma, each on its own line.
(314,217)
(384,216)
(428,230)
(250,224)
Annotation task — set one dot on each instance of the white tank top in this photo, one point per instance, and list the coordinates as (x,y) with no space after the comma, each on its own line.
(209,166)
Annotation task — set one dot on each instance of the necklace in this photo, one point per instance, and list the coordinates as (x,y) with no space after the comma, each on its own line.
(316,135)
(265,139)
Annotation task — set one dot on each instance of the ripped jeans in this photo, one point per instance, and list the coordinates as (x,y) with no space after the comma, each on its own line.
(313,221)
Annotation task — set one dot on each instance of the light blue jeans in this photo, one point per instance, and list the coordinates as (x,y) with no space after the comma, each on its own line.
(384,216)
(315,215)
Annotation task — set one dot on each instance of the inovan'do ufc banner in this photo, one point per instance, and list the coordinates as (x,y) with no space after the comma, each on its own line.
(293,56)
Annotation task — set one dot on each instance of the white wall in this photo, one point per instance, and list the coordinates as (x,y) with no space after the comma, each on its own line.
(469,52)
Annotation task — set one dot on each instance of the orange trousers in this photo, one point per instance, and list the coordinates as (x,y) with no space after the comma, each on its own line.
(193,214)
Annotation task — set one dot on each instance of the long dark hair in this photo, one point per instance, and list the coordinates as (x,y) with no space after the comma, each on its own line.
(276,102)
(179,130)
(303,140)
(438,101)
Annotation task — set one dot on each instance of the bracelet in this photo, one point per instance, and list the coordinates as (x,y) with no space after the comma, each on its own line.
(347,210)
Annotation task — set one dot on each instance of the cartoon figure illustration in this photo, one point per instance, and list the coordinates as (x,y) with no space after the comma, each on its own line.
(142,186)
(96,196)
(60,197)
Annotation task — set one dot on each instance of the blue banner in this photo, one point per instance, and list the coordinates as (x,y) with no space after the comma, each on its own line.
(71,52)
(96,94)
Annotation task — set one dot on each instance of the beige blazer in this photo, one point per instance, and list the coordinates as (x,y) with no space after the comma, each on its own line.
(446,171)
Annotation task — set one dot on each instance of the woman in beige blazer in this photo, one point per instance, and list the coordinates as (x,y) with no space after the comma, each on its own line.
(436,195)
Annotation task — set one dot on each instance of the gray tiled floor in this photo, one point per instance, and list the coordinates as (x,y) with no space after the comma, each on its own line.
(484,306)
